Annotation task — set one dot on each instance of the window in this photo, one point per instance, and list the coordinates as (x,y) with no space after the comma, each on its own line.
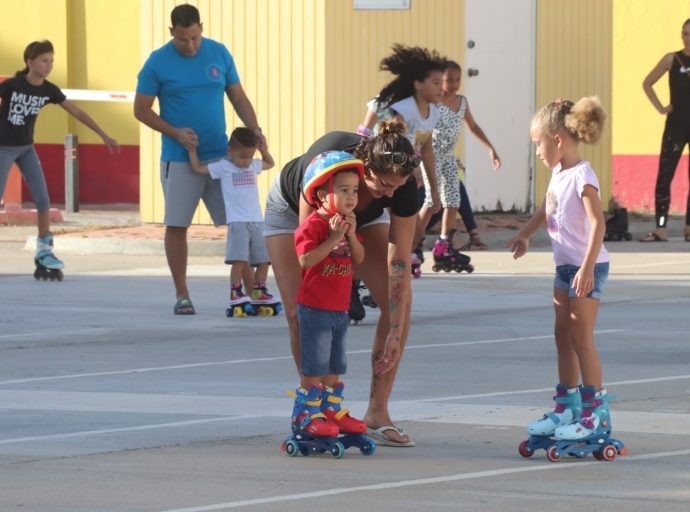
(382,4)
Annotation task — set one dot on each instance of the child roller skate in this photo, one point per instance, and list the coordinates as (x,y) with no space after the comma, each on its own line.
(356,313)
(447,258)
(541,432)
(312,432)
(47,265)
(590,433)
(351,430)
(240,305)
(263,303)
(617,227)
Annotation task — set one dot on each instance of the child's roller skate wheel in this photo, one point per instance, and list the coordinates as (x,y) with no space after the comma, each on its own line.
(368,448)
(598,455)
(609,452)
(279,308)
(524,450)
(628,236)
(470,268)
(417,272)
(551,454)
(238,311)
(291,448)
(338,450)
(229,312)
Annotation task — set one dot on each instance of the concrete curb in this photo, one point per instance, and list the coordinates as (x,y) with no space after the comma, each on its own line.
(105,245)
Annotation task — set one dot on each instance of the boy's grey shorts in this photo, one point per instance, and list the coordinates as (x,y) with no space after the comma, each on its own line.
(182,189)
(246,243)
(279,218)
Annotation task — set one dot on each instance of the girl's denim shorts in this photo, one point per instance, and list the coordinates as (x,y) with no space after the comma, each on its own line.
(566,273)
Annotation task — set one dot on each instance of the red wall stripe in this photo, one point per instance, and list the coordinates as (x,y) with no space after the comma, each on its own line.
(103,178)
(634,179)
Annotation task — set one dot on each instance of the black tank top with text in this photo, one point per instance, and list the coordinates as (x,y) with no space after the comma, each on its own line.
(679,85)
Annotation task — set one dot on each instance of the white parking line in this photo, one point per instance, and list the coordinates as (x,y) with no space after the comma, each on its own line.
(263,359)
(421,481)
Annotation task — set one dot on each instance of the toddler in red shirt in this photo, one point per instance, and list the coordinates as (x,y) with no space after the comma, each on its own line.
(327,246)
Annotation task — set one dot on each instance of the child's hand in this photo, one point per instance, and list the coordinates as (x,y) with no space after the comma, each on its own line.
(494,159)
(583,282)
(111,144)
(187,137)
(518,245)
(351,221)
(337,226)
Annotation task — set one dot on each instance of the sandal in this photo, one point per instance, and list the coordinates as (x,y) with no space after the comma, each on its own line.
(474,244)
(653,237)
(184,307)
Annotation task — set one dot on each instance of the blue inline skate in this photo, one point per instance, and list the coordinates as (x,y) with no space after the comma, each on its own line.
(312,432)
(351,430)
(590,433)
(542,432)
(48,267)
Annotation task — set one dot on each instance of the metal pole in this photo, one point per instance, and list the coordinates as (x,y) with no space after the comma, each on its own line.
(71,173)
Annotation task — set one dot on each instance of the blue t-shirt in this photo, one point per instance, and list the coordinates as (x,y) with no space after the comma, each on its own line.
(191,92)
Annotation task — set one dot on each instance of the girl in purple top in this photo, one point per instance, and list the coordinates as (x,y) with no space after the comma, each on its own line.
(574,216)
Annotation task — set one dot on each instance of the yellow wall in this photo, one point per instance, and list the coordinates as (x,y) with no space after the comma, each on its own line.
(96,47)
(279,50)
(643,33)
(574,59)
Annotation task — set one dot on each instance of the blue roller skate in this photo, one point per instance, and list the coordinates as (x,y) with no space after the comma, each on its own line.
(240,305)
(590,433)
(311,431)
(47,265)
(568,408)
(351,430)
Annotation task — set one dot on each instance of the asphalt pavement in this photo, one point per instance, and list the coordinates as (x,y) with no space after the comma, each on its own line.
(108,402)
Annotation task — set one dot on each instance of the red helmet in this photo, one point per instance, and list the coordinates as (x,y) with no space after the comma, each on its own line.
(321,170)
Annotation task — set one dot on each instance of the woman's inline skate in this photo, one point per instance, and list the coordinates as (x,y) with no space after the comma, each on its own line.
(542,432)
(447,258)
(351,430)
(48,267)
(312,432)
(590,433)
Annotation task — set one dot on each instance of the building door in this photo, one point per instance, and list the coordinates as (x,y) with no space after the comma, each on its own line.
(498,78)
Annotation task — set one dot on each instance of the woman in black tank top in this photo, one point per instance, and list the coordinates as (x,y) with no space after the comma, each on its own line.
(387,249)
(676,133)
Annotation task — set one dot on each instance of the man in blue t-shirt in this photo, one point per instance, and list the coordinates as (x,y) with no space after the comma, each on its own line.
(190,76)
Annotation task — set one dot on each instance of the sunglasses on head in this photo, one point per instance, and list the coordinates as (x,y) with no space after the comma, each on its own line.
(400,158)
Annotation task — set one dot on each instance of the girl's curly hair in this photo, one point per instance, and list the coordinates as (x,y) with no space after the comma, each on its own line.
(584,120)
(408,64)
(390,138)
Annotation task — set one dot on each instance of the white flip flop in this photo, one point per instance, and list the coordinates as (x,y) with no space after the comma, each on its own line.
(377,434)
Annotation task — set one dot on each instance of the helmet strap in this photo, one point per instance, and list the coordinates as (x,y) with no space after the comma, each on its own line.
(331,198)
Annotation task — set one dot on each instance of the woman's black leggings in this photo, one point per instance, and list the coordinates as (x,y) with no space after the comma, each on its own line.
(672,146)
